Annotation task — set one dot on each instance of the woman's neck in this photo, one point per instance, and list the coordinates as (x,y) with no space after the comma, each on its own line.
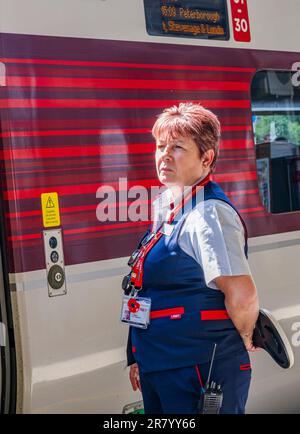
(177,190)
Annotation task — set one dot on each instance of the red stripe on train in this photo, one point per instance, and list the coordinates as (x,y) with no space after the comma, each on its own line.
(75,209)
(77,132)
(81,230)
(124,65)
(126,103)
(57,124)
(74,189)
(115,83)
(99,231)
(92,132)
(70,151)
(85,151)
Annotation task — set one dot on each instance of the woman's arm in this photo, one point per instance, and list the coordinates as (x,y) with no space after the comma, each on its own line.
(241,301)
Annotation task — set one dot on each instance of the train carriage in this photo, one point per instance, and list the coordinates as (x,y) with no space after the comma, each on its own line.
(81,84)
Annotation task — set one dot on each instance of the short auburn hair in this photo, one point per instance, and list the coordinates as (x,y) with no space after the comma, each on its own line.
(190,120)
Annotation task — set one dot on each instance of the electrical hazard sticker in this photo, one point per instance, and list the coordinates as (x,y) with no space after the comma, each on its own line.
(50,209)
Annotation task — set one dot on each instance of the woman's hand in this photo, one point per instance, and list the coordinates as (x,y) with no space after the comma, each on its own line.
(134,377)
(249,344)
(241,303)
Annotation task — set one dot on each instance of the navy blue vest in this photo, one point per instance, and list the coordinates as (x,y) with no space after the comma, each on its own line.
(187,316)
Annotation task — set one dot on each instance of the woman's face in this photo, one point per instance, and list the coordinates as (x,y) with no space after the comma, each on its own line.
(178,161)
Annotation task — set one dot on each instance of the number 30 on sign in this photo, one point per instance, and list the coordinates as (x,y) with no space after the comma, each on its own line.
(240,20)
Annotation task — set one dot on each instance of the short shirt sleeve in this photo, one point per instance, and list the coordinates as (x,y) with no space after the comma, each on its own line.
(214,236)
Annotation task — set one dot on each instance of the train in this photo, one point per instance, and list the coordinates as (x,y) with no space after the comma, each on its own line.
(81,84)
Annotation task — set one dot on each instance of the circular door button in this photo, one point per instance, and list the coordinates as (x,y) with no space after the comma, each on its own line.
(54,256)
(53,242)
(56,277)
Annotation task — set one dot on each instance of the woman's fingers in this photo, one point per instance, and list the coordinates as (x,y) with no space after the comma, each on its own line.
(250,346)
(138,382)
(134,377)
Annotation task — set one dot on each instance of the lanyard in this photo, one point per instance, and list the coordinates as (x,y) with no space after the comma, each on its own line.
(137,272)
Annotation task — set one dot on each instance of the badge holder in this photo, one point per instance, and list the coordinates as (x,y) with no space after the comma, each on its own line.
(136,310)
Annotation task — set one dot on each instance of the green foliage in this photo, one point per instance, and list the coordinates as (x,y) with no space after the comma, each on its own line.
(285,126)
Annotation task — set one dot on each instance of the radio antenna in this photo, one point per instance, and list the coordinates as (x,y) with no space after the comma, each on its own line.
(211,363)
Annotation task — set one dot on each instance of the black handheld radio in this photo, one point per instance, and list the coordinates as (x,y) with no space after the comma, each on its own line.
(213,397)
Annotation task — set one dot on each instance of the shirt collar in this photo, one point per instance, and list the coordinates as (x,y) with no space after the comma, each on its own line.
(165,199)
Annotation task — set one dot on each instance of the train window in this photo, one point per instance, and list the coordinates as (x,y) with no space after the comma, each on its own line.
(205,19)
(276,126)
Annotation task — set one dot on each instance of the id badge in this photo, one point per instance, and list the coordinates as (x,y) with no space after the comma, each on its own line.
(167,229)
(136,313)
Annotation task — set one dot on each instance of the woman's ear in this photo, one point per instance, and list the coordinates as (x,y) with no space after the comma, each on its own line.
(208,158)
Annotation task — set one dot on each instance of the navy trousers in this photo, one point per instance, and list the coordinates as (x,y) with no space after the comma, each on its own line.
(179,390)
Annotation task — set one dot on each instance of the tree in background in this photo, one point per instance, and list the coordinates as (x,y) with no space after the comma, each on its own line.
(287,127)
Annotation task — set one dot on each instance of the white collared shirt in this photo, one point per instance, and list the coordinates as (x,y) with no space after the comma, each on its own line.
(212,235)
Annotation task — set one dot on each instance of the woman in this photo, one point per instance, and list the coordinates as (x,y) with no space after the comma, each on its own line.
(192,276)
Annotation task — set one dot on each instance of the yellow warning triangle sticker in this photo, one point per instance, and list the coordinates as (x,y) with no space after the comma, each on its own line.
(50,209)
(50,203)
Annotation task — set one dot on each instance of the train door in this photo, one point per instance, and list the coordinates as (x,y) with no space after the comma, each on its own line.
(7,353)
(2,344)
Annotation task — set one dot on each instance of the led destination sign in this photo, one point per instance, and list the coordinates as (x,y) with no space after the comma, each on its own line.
(205,19)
